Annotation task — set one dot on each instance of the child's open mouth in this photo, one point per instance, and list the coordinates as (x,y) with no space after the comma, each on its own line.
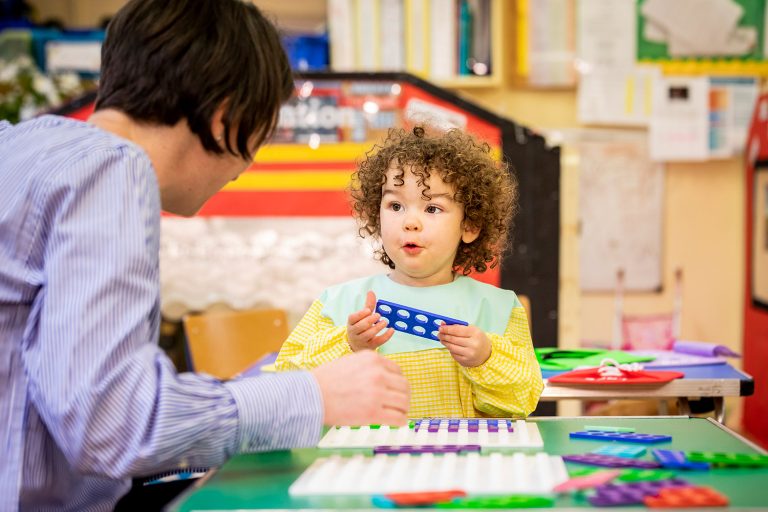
(412,248)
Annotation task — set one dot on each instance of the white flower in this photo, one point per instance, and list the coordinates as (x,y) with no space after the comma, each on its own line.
(28,110)
(69,83)
(8,71)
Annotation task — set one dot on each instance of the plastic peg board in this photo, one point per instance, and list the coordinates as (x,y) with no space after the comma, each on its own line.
(618,450)
(620,436)
(500,502)
(732,460)
(610,461)
(470,424)
(676,459)
(523,435)
(474,473)
(587,481)
(639,475)
(612,495)
(439,448)
(413,321)
(416,499)
(686,497)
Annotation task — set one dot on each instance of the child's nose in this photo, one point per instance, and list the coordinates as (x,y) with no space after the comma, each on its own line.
(412,223)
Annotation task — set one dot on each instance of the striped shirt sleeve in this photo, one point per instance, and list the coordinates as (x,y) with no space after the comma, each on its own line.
(110,397)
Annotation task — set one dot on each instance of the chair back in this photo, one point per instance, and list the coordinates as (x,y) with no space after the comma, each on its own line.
(647,332)
(526,302)
(224,343)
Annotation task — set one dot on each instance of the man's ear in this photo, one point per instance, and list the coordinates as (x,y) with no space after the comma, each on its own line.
(469,234)
(217,123)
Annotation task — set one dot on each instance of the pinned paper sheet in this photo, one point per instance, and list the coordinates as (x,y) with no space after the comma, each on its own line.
(679,127)
(698,27)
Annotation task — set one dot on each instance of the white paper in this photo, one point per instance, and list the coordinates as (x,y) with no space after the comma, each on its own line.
(550,43)
(620,97)
(83,56)
(620,211)
(698,24)
(605,34)
(732,101)
(679,125)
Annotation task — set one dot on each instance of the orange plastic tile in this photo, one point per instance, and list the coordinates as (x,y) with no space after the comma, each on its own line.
(686,497)
(404,499)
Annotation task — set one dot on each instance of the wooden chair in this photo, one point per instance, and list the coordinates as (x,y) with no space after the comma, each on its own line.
(526,302)
(224,343)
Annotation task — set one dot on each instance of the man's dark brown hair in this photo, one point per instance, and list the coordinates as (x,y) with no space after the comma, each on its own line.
(167,60)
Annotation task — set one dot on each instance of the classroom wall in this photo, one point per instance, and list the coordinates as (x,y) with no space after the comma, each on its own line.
(703,232)
(703,208)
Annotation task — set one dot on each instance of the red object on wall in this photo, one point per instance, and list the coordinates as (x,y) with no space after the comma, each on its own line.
(755,419)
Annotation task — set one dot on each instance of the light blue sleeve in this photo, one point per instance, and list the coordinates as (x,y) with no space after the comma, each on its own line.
(108,395)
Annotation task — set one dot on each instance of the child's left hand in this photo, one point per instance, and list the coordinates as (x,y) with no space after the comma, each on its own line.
(468,345)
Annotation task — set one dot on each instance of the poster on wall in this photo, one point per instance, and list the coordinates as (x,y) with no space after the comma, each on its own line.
(703,36)
(760,236)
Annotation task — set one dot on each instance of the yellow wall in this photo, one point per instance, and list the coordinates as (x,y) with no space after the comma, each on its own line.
(703,232)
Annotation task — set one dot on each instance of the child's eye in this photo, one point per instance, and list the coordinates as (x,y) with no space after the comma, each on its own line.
(395,207)
(433,209)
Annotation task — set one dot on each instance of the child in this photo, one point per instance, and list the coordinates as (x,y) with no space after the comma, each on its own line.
(440,207)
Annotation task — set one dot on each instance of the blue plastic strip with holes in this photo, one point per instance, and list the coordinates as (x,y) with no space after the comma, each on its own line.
(414,321)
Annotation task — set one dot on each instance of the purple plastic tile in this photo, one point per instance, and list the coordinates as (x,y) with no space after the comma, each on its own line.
(676,459)
(610,461)
(622,436)
(416,449)
(610,495)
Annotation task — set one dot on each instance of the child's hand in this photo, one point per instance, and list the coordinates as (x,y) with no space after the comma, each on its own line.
(468,345)
(364,325)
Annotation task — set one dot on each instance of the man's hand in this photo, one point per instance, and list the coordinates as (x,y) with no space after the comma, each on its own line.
(468,345)
(363,389)
(363,327)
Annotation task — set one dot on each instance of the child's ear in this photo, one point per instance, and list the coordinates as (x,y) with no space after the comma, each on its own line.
(469,234)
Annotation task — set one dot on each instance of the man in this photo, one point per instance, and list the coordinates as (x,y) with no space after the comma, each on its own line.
(189,90)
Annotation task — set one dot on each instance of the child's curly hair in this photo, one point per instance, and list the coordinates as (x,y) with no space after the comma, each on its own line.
(485,188)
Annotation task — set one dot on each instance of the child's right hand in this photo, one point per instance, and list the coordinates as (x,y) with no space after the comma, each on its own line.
(363,327)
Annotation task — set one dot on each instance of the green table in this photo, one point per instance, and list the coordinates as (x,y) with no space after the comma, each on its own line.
(261,481)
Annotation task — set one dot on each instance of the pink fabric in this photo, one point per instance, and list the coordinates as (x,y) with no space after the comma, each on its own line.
(647,332)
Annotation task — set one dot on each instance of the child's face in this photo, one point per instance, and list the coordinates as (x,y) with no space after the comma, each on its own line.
(421,236)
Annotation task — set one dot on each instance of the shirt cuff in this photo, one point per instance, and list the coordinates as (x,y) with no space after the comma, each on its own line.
(277,411)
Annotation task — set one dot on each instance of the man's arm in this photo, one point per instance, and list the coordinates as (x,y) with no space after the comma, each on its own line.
(108,395)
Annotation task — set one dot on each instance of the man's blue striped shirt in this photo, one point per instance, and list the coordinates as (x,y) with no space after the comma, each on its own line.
(88,398)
